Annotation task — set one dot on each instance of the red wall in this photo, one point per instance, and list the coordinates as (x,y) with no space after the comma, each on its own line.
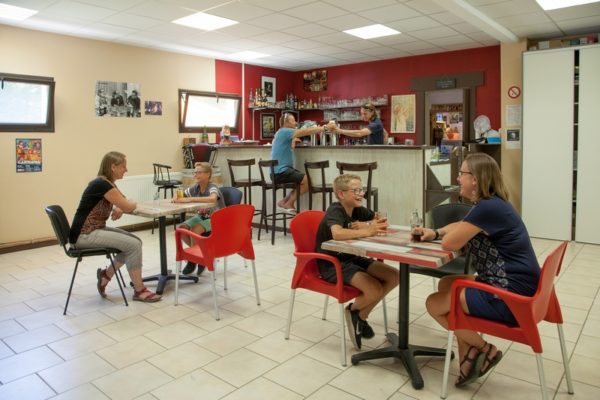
(389,77)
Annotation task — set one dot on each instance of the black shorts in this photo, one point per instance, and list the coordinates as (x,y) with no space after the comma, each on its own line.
(290,175)
(349,267)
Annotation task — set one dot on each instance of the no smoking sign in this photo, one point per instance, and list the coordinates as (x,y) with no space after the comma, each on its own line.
(514,92)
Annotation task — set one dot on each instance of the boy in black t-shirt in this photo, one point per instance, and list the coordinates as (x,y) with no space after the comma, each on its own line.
(348,219)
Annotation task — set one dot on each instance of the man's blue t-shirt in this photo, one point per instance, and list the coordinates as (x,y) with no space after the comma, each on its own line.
(505,257)
(282,149)
(376,128)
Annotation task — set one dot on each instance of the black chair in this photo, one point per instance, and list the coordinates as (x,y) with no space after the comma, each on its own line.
(443,215)
(323,188)
(162,179)
(231,195)
(370,191)
(267,173)
(61,227)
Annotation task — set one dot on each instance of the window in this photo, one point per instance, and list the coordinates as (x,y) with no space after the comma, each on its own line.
(207,110)
(26,103)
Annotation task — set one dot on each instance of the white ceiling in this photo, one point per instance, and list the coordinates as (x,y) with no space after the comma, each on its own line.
(306,34)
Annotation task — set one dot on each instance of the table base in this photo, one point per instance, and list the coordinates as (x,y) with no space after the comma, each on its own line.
(406,355)
(162,280)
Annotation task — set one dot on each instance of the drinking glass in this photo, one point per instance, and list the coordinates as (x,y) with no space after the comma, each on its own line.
(381,216)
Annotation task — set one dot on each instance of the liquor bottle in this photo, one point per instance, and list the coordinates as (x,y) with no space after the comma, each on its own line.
(251,99)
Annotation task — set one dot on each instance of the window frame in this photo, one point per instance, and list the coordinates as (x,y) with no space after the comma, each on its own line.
(48,126)
(182,100)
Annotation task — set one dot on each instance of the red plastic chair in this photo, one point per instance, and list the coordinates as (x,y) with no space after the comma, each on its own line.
(231,230)
(304,228)
(528,312)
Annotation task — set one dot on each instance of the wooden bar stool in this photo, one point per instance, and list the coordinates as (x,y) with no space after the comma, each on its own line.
(370,191)
(314,186)
(267,173)
(245,183)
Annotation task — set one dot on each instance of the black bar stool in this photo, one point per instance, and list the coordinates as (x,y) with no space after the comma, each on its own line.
(162,179)
(323,188)
(267,183)
(370,191)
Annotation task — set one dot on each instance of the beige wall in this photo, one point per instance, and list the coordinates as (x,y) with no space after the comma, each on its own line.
(72,153)
(511,75)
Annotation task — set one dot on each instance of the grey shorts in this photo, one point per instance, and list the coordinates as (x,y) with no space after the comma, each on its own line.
(129,244)
(349,267)
(290,175)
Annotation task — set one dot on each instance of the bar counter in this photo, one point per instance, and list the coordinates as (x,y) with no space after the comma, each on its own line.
(399,173)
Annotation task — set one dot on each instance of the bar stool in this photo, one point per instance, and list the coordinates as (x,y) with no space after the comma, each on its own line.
(370,191)
(323,188)
(268,183)
(245,183)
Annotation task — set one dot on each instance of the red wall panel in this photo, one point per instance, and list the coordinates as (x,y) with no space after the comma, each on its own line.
(376,78)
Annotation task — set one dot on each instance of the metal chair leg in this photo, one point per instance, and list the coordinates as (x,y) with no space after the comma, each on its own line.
(540,365)
(565,357)
(214,290)
(447,365)
(71,286)
(290,311)
(324,317)
(343,335)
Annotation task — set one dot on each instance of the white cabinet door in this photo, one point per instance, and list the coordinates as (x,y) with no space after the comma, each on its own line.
(587,224)
(547,191)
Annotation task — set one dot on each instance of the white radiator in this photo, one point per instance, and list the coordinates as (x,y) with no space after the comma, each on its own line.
(138,188)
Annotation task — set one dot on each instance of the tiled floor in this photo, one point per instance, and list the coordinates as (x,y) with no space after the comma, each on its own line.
(104,350)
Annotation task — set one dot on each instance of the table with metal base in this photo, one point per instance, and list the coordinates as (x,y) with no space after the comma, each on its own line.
(400,348)
(161,209)
(397,246)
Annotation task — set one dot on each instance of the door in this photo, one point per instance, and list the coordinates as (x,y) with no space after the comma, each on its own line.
(547,190)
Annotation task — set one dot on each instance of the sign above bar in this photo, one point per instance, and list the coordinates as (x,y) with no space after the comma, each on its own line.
(445,83)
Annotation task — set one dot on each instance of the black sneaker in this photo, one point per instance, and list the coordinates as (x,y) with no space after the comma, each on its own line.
(366,331)
(189,268)
(354,326)
(200,269)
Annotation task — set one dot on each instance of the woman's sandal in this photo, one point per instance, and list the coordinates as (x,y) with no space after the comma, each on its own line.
(151,298)
(473,373)
(101,274)
(491,361)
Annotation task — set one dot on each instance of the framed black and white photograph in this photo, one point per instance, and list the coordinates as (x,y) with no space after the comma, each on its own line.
(117,99)
(269,87)
(267,126)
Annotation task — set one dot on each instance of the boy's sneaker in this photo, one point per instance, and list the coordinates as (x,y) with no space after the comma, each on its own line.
(353,322)
(189,268)
(366,330)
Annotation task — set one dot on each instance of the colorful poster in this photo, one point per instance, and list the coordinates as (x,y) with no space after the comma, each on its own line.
(29,155)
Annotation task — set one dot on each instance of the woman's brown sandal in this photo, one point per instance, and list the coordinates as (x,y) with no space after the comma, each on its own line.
(150,298)
(489,362)
(473,373)
(101,274)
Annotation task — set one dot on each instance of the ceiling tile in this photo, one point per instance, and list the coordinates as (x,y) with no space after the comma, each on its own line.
(277,22)
(275,37)
(309,30)
(132,21)
(316,11)
(278,5)
(159,10)
(391,13)
(424,6)
(75,10)
(349,21)
(413,24)
(359,5)
(239,11)
(439,32)
(336,38)
(303,44)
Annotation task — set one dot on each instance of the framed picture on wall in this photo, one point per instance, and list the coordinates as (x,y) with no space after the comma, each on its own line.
(267,126)
(269,87)
(403,113)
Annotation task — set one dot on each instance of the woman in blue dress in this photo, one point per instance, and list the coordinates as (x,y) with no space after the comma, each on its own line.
(502,256)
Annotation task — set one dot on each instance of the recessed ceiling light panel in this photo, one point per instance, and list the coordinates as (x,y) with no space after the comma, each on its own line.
(15,13)
(204,21)
(372,31)
(556,4)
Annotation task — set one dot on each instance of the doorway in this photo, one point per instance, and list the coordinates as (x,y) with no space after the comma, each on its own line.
(445,110)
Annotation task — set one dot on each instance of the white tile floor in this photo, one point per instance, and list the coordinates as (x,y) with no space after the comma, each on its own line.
(104,350)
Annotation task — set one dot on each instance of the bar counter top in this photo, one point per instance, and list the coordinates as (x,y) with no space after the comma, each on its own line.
(370,147)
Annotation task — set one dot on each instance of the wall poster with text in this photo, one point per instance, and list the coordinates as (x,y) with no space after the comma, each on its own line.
(29,155)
